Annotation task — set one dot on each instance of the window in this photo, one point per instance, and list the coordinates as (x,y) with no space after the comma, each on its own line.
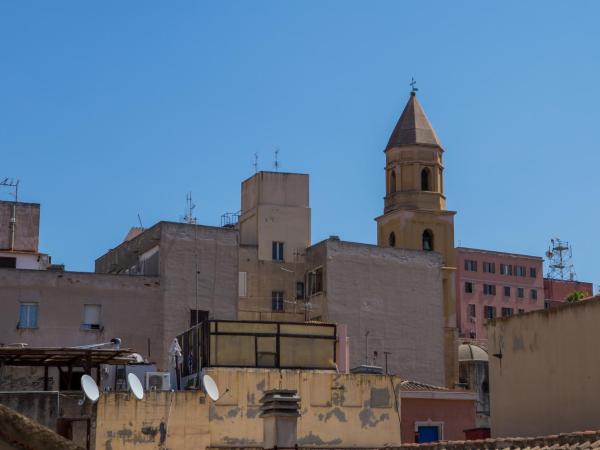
(277,251)
(489,289)
(520,292)
(533,294)
(506,269)
(532,272)
(242,286)
(392,239)
(471,311)
(277,300)
(392,182)
(468,287)
(507,312)
(489,267)
(427,240)
(91,317)
(425,182)
(521,271)
(8,262)
(315,281)
(507,291)
(470,265)
(489,312)
(28,314)
(197,316)
(300,290)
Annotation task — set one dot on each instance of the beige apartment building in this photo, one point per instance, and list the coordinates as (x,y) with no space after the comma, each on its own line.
(147,290)
(274,227)
(545,371)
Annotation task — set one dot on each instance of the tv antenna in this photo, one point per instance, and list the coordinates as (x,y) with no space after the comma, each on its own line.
(560,260)
(255,163)
(413,84)
(276,164)
(189,217)
(9,182)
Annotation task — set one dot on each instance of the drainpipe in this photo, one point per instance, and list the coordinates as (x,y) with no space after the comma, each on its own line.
(13,226)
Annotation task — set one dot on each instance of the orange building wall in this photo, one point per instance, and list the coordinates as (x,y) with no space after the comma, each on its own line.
(457,415)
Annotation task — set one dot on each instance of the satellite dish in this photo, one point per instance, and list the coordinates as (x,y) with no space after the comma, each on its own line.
(90,389)
(210,387)
(135,385)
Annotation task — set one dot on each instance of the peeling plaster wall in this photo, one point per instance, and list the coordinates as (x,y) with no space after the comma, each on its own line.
(336,410)
(546,381)
(395,295)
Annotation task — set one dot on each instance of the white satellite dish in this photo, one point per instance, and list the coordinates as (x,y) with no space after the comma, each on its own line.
(90,389)
(210,387)
(135,385)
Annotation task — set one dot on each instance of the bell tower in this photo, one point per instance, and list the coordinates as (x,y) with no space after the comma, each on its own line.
(415,215)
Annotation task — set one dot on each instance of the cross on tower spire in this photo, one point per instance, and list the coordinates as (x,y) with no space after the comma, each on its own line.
(413,88)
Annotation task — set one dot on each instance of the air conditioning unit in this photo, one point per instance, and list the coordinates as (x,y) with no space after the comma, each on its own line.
(158,381)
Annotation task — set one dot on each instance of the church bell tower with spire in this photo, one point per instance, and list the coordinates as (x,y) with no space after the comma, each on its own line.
(415,215)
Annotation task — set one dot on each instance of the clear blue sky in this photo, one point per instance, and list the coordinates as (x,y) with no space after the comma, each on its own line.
(113,108)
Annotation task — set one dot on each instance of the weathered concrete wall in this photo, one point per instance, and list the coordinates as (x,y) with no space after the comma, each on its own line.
(198,269)
(395,295)
(129,309)
(275,207)
(27,229)
(547,378)
(264,277)
(337,410)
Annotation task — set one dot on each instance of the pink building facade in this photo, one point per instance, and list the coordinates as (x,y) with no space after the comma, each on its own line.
(494,284)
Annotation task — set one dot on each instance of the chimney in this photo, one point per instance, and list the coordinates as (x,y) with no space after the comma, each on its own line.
(279,412)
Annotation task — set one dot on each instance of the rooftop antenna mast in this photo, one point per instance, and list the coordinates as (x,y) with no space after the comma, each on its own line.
(560,260)
(276,164)
(189,217)
(255,163)
(10,183)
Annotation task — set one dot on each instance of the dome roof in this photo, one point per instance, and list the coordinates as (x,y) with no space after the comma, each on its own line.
(470,352)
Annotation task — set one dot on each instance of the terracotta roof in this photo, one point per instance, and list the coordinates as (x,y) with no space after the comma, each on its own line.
(413,127)
(566,441)
(410,385)
(22,432)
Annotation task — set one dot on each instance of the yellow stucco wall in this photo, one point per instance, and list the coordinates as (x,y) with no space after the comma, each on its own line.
(336,410)
(546,381)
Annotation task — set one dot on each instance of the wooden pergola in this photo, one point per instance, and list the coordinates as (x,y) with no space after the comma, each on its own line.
(65,358)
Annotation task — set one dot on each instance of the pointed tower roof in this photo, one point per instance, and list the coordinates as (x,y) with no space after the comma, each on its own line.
(413,127)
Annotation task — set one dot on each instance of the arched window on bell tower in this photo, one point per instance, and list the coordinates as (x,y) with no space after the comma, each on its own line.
(392,239)
(428,240)
(426,179)
(393,182)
